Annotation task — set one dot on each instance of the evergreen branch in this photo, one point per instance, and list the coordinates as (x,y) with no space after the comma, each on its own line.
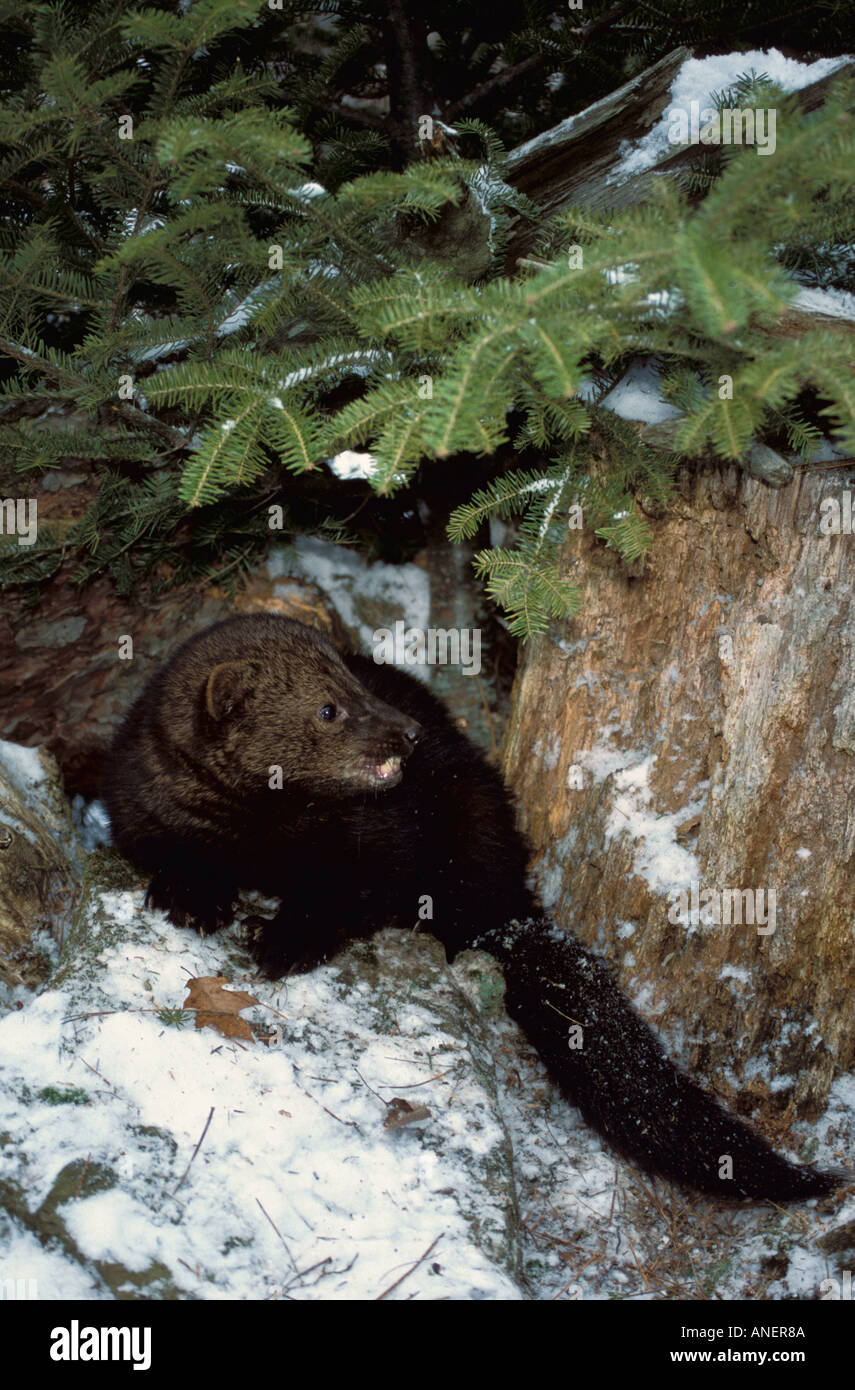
(503,497)
(296,437)
(451,397)
(224,448)
(72,381)
(398,450)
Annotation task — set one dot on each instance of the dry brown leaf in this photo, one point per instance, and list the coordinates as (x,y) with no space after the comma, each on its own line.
(217,1007)
(400,1112)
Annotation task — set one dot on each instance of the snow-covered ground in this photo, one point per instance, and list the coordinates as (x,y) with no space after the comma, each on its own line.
(297,1188)
(142,1156)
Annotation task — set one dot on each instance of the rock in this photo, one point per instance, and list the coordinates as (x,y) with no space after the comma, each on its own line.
(436,590)
(365,596)
(662,434)
(759,461)
(767,465)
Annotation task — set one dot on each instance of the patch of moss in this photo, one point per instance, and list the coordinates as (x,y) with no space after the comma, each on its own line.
(153,1132)
(715,1274)
(491,994)
(76,1181)
(843,1238)
(91,930)
(111,871)
(64,1095)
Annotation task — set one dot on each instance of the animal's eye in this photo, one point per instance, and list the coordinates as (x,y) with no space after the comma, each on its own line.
(327,712)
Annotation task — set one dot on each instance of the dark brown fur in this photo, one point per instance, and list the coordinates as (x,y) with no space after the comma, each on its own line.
(347,849)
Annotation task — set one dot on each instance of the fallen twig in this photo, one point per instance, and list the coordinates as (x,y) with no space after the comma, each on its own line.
(197,1148)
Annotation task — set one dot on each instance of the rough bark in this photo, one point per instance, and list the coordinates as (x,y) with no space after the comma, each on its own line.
(730,664)
(577,162)
(37,870)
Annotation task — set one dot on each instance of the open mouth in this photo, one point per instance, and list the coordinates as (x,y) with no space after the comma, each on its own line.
(385,774)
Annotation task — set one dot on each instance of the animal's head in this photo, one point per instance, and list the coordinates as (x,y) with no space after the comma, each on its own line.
(281,697)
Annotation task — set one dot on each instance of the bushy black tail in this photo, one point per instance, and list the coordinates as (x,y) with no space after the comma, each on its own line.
(622,1080)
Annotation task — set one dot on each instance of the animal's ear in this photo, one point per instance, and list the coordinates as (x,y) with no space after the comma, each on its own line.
(229,687)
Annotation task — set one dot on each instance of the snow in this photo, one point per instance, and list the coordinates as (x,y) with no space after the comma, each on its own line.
(349,465)
(657,857)
(637,395)
(546,138)
(603,761)
(164,349)
(569,1181)
(665,301)
(551,753)
(836,304)
(31,808)
(737,973)
(292,1136)
(296,1138)
(242,313)
(358,589)
(148,223)
(360,363)
(91,823)
(823,451)
(699,79)
(37,1272)
(112,1226)
(24,765)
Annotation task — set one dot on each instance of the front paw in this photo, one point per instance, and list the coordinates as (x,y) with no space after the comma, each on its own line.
(185,906)
(279,951)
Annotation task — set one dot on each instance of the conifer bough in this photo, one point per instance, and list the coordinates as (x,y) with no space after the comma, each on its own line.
(185,293)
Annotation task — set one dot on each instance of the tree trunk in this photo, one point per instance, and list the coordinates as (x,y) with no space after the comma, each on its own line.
(696,725)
